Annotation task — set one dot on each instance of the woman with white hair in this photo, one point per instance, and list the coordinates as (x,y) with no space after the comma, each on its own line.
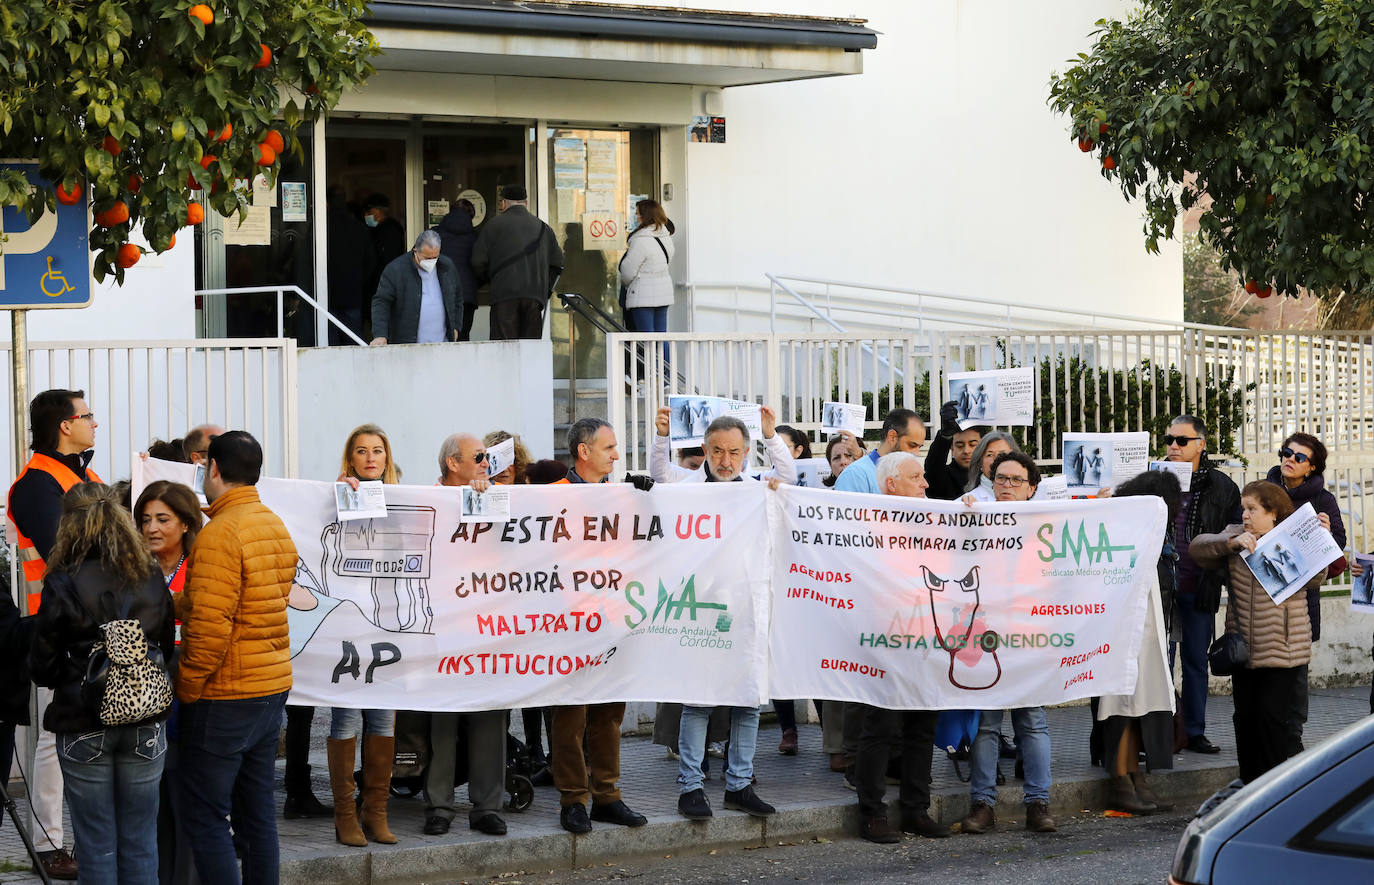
(993,443)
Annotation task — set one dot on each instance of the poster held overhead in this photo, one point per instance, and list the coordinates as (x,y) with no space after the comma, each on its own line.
(997,396)
(841,417)
(1182,469)
(1094,461)
(689,416)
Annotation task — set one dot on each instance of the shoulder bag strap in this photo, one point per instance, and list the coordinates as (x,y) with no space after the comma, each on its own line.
(528,250)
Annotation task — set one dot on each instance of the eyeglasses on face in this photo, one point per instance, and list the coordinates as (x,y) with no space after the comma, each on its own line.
(479,457)
(1286,452)
(1170,439)
(1014,482)
(88,416)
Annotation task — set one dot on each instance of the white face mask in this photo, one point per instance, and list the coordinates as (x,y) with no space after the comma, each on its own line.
(370,220)
(428,264)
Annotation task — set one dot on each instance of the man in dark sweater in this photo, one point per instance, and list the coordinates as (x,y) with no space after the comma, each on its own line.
(519,255)
(949,475)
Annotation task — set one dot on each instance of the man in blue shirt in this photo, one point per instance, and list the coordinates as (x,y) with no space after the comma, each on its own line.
(903,431)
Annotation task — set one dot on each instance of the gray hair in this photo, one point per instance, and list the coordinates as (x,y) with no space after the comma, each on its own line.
(975,466)
(452,447)
(583,431)
(890,465)
(428,239)
(726,422)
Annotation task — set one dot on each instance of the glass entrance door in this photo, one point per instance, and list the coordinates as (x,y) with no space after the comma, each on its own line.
(595,178)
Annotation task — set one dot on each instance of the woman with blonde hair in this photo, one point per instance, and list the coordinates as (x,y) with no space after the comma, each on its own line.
(100,571)
(366,458)
(514,475)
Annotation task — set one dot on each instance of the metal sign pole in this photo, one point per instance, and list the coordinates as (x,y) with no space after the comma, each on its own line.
(19,373)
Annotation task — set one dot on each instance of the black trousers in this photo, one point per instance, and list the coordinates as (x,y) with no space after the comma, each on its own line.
(469,314)
(298,721)
(1268,703)
(519,318)
(884,733)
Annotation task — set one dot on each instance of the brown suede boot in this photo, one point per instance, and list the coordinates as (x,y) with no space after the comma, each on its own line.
(980,819)
(1123,796)
(379,754)
(1142,789)
(341,756)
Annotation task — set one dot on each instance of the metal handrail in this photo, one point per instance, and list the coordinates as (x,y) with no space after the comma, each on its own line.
(281,293)
(604,322)
(775,283)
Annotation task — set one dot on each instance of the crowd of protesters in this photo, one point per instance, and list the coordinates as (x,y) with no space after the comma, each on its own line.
(187,791)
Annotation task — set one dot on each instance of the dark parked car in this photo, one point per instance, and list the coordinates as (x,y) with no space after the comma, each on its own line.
(1309,820)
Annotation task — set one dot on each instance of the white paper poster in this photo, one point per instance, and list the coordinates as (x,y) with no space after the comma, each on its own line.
(602,231)
(1292,553)
(255,230)
(689,416)
(478,202)
(566,198)
(293,208)
(601,201)
(1362,588)
(998,396)
(492,505)
(812,472)
(500,456)
(909,603)
(1053,488)
(1182,469)
(838,417)
(1095,461)
(367,501)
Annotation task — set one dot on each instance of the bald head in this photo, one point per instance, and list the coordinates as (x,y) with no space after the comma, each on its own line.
(462,458)
(197,441)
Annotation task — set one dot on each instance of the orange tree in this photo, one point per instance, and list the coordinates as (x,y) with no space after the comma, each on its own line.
(1269,102)
(151,110)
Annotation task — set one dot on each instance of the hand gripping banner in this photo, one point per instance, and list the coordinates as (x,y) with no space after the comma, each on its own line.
(915,604)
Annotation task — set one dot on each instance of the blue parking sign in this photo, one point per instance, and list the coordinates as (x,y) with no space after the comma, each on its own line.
(48,263)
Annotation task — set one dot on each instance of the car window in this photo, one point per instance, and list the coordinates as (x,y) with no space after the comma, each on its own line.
(1352,829)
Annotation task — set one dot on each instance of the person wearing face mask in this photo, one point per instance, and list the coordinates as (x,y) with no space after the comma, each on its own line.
(979,484)
(419,298)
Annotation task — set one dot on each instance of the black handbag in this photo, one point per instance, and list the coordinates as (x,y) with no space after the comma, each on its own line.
(1228,655)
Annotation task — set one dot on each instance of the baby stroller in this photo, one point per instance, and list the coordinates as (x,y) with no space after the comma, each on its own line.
(413,754)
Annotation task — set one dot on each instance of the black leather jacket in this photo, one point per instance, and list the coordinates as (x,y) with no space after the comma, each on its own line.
(67,625)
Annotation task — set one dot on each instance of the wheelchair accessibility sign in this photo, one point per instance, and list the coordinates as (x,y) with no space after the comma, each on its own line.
(47,263)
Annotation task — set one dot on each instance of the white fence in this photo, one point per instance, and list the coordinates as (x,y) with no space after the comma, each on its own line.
(1256,387)
(141,391)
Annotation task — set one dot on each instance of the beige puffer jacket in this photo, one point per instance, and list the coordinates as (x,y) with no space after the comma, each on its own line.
(1278,635)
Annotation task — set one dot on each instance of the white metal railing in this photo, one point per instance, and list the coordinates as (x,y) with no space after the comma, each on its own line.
(145,390)
(281,292)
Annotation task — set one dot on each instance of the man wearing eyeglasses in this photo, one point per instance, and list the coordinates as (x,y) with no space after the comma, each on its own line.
(1014,478)
(63,429)
(1211,503)
(463,462)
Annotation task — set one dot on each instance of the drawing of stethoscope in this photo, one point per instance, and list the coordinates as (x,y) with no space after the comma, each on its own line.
(949,642)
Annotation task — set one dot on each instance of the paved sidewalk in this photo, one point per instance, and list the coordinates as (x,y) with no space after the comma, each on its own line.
(811,801)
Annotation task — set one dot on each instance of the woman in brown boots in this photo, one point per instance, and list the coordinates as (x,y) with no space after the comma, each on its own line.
(366,456)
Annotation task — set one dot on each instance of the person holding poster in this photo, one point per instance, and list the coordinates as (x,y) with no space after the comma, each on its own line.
(726,441)
(904,736)
(1302,463)
(1015,476)
(462,463)
(1268,691)
(585,741)
(903,431)
(840,452)
(1211,503)
(991,447)
(950,454)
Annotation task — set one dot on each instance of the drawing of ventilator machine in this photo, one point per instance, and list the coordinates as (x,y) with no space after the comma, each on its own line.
(954,604)
(394,552)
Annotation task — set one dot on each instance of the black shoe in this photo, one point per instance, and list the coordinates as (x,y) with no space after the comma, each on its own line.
(694,805)
(489,823)
(1020,770)
(877,829)
(617,812)
(849,783)
(573,818)
(748,801)
(58,864)
(542,778)
(436,825)
(1198,743)
(304,805)
(923,825)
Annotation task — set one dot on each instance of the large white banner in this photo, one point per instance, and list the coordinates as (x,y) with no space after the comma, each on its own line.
(915,604)
(586,594)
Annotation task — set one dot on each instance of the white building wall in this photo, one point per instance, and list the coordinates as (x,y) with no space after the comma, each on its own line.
(940,168)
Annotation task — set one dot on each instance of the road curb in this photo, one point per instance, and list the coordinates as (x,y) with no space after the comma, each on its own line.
(665,835)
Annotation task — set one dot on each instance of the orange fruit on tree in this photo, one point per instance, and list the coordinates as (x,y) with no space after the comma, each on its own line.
(1102,128)
(266,58)
(1109,163)
(202,12)
(111,145)
(1265,292)
(128,255)
(135,183)
(273,138)
(191,182)
(266,155)
(69,197)
(116,214)
(1085,144)
(172,242)
(226,133)
(195,213)
(206,160)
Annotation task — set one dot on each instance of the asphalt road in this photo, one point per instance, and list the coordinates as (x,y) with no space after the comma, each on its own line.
(1088,850)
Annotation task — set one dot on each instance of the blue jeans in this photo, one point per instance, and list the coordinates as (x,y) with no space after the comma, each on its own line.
(111,781)
(648,319)
(231,746)
(346,723)
(1199,629)
(1033,739)
(691,747)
